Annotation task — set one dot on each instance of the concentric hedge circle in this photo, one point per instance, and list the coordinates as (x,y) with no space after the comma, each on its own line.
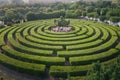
(33,49)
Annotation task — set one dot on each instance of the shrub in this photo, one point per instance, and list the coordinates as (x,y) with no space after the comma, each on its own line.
(115,19)
(62,22)
(23,67)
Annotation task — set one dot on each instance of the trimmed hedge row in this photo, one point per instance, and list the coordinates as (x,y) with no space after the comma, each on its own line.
(35,45)
(83,31)
(23,67)
(112,32)
(26,49)
(85,45)
(40,41)
(3,29)
(104,38)
(40,32)
(60,39)
(89,51)
(63,71)
(33,58)
(32,47)
(3,36)
(26,32)
(76,29)
(106,35)
(118,46)
(88,59)
(91,31)
(56,39)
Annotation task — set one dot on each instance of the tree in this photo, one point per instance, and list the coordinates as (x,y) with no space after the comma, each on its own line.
(113,13)
(10,16)
(102,18)
(70,14)
(115,19)
(78,12)
(102,72)
(30,16)
(16,1)
(96,72)
(62,22)
(92,14)
(103,11)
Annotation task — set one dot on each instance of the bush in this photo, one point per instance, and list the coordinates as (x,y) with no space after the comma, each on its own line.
(62,71)
(88,59)
(115,19)
(92,14)
(33,58)
(62,22)
(23,67)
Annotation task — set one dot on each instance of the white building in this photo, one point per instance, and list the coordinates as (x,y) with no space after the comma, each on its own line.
(1,23)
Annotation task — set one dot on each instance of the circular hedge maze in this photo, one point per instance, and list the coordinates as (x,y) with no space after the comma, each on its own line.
(33,49)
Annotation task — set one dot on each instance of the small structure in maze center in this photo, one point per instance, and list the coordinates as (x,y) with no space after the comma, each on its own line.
(61,25)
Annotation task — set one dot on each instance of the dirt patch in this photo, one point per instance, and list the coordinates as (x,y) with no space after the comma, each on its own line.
(8,43)
(0,50)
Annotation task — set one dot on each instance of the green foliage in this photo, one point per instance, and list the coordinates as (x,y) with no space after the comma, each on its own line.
(105,9)
(102,18)
(31,46)
(62,22)
(115,19)
(42,15)
(95,73)
(12,17)
(9,15)
(30,58)
(23,67)
(62,71)
(109,72)
(71,14)
(92,14)
(30,16)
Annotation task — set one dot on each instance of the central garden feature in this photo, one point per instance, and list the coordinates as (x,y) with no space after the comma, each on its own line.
(61,29)
(61,25)
(33,49)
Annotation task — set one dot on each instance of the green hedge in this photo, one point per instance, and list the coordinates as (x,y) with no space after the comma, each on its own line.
(103,56)
(83,30)
(59,39)
(33,58)
(39,31)
(106,35)
(26,31)
(92,38)
(23,67)
(105,46)
(35,45)
(85,45)
(28,50)
(63,71)
(91,31)
(76,29)
(32,31)
(3,36)
(118,46)
(3,29)
(104,38)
